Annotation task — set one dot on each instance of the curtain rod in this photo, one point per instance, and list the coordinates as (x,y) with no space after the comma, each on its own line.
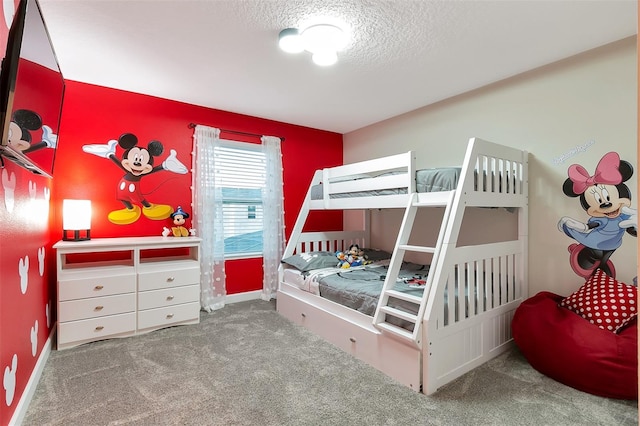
(235,132)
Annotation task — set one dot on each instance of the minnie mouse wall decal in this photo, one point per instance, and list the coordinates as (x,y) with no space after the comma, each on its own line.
(607,200)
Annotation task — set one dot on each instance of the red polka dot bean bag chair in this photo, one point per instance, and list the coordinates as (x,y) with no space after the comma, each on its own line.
(587,340)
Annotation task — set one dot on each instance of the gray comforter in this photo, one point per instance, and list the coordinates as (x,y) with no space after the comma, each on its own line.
(360,289)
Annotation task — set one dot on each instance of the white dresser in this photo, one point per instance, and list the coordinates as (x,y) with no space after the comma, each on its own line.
(118,287)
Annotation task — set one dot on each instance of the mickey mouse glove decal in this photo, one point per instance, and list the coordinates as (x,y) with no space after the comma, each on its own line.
(173,164)
(101,150)
(48,137)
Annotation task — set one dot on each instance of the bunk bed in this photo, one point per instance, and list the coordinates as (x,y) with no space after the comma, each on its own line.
(459,316)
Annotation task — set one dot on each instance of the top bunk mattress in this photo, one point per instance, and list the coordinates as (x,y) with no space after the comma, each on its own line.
(427,180)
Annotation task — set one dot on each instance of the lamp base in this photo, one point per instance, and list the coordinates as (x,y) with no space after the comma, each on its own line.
(77,235)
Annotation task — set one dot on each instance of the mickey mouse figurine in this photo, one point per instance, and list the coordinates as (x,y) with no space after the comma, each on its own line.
(136,162)
(607,200)
(179,217)
(353,257)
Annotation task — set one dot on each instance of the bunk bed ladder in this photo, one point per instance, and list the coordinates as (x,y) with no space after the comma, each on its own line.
(387,317)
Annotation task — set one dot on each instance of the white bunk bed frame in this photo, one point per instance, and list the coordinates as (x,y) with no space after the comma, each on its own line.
(444,343)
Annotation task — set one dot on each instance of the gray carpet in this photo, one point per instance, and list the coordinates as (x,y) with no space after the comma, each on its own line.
(246,365)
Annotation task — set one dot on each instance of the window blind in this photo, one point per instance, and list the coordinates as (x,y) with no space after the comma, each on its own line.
(241,173)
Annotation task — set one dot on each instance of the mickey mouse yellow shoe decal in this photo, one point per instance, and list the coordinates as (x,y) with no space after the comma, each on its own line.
(157,211)
(124,216)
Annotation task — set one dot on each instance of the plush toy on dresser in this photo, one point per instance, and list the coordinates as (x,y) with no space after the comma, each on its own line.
(179,218)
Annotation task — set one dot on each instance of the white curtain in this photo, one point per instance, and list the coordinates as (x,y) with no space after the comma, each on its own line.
(273,222)
(209,221)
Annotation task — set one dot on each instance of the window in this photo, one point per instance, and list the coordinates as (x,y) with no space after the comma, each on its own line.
(241,173)
(251,212)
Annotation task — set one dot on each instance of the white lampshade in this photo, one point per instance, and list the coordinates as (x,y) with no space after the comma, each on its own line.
(323,37)
(325,58)
(76,217)
(290,41)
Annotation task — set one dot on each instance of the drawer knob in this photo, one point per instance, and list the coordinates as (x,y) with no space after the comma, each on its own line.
(352,339)
(99,328)
(303,315)
(170,279)
(98,287)
(98,308)
(169,297)
(169,316)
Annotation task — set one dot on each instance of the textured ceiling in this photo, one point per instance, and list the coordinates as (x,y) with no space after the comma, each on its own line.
(402,54)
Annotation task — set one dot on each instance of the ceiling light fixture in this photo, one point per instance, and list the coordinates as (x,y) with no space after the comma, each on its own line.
(323,41)
(290,41)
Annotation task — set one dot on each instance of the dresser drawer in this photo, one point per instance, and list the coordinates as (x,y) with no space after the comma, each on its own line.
(81,288)
(167,297)
(164,276)
(94,307)
(96,328)
(164,317)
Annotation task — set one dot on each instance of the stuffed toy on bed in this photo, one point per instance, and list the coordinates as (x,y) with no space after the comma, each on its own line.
(342,260)
(353,257)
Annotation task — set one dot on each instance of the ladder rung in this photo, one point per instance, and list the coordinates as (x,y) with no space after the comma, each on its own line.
(417,248)
(433,199)
(407,316)
(398,331)
(404,296)
(430,203)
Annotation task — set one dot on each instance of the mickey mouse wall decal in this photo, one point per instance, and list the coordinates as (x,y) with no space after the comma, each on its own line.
(23,122)
(136,162)
(607,200)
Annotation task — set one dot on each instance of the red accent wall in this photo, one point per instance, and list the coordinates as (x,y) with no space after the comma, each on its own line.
(95,115)
(26,291)
(30,224)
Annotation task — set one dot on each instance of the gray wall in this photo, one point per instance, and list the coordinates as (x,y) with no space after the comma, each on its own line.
(572,111)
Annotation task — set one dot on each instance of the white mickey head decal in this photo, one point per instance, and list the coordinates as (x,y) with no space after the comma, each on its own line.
(41,261)
(9,185)
(9,380)
(32,190)
(9,9)
(47,312)
(34,338)
(23,270)
(47,195)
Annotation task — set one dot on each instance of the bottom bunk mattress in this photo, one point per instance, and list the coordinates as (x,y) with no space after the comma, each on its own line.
(359,288)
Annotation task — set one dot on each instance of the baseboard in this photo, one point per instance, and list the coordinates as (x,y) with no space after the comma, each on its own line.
(243,297)
(21,409)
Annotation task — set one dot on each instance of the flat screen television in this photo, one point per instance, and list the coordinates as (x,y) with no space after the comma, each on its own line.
(31,93)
